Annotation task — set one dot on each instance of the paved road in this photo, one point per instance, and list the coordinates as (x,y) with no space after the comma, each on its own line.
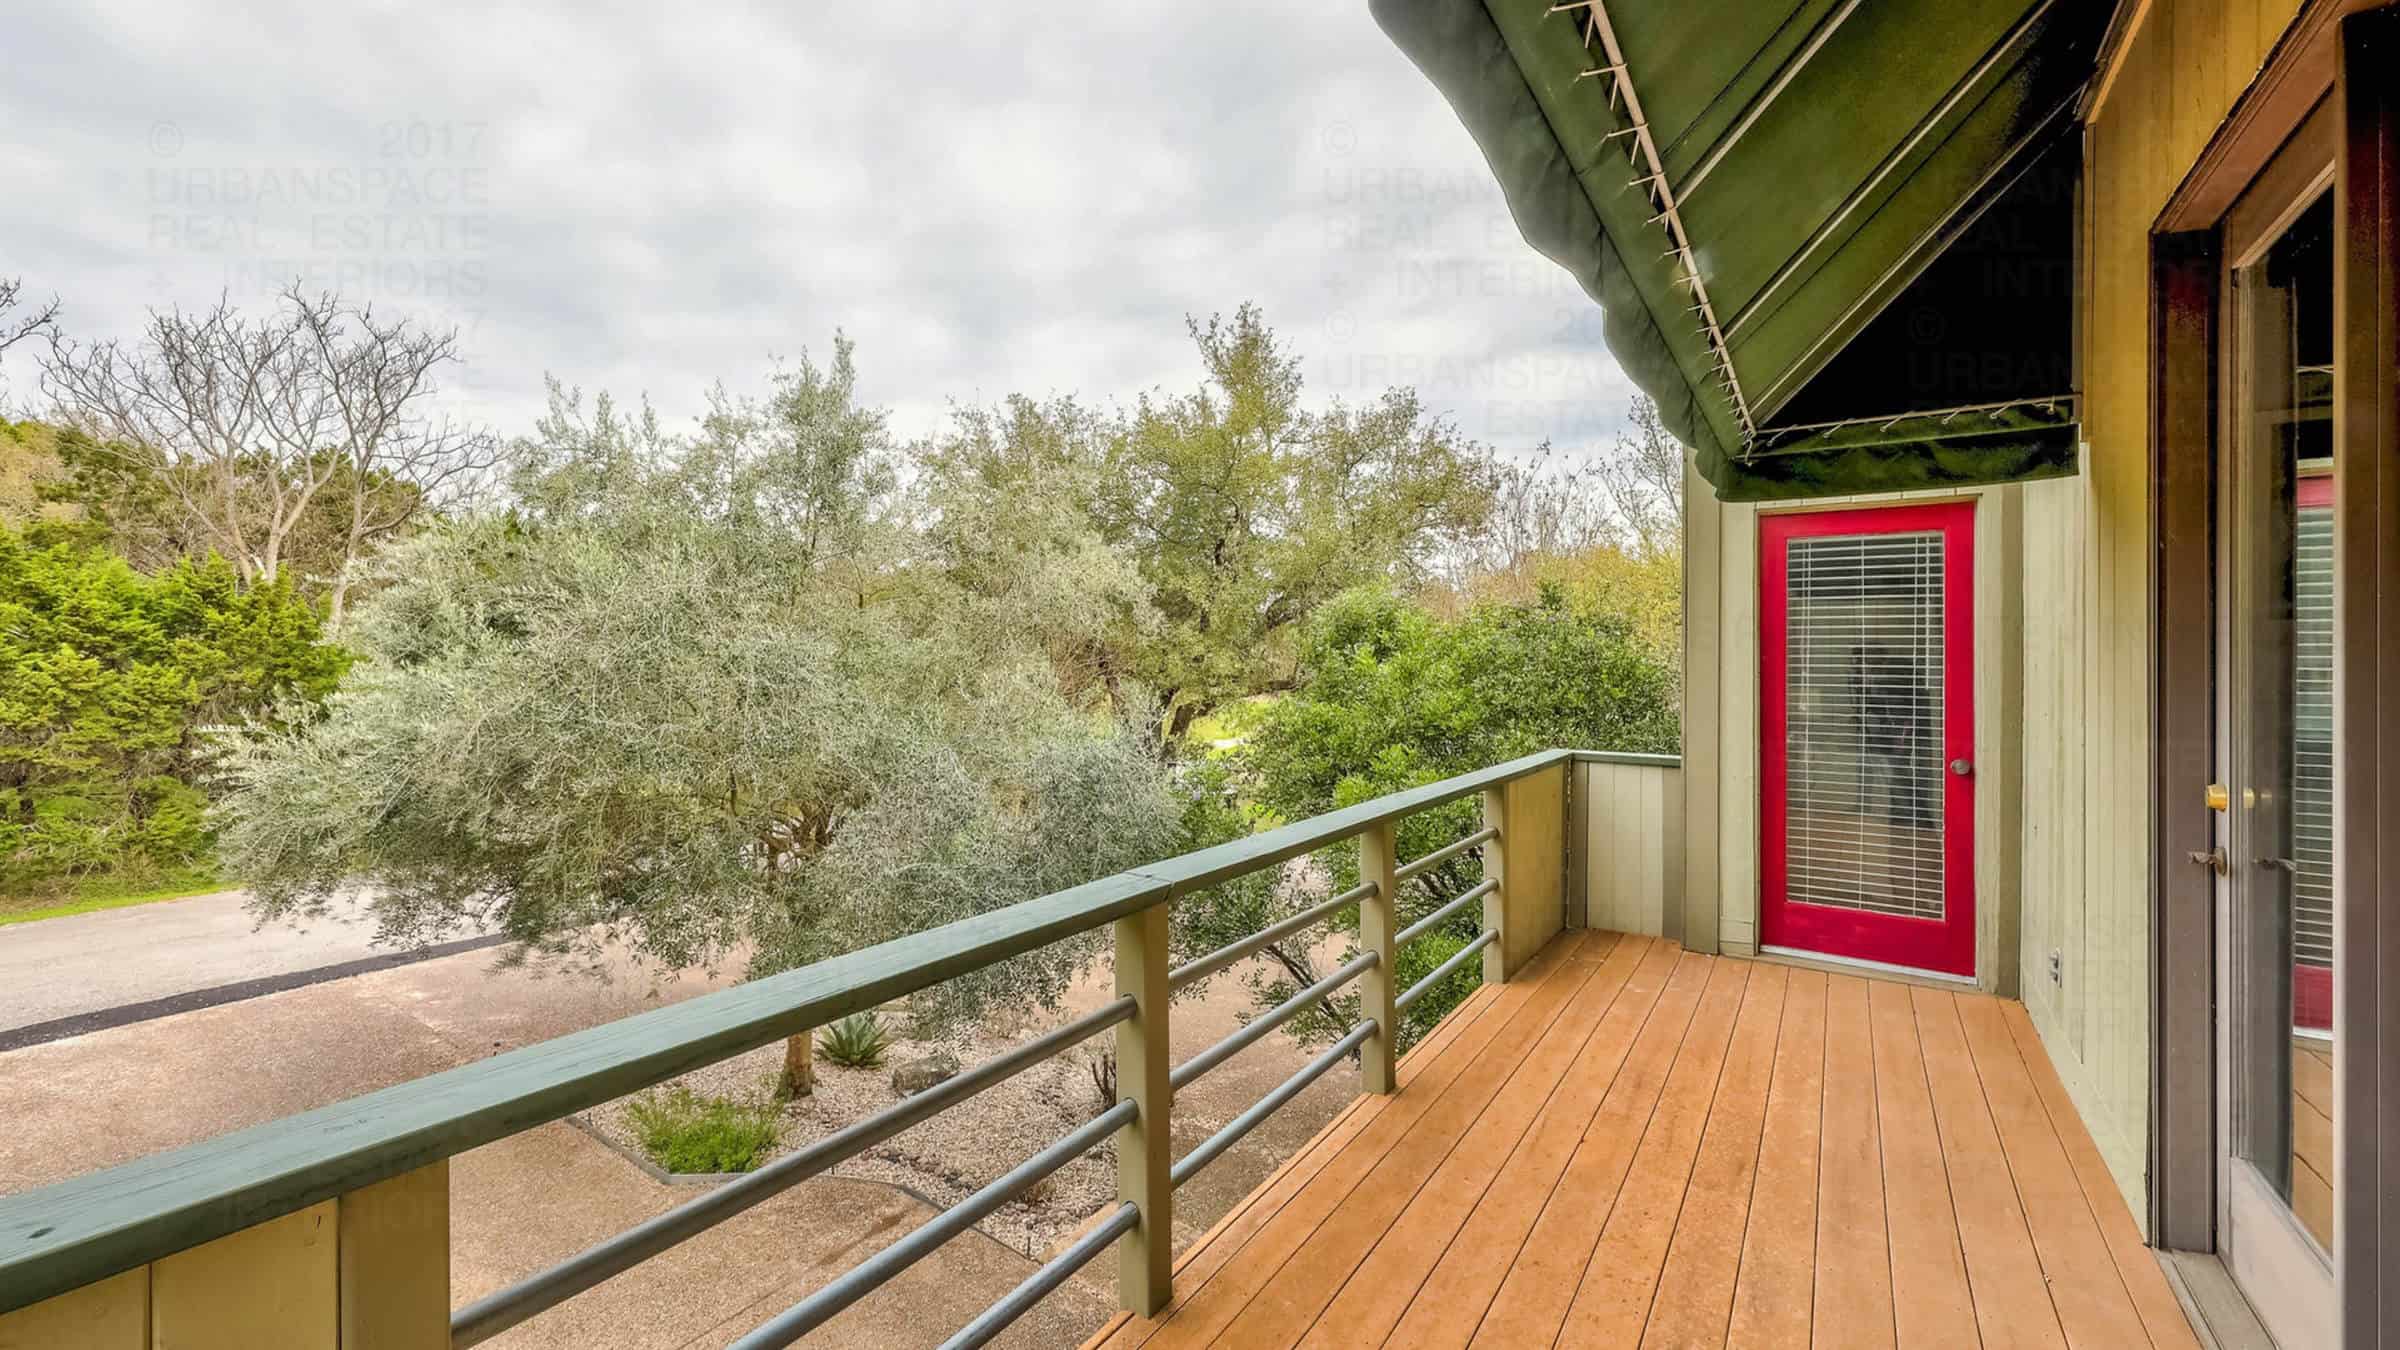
(53,968)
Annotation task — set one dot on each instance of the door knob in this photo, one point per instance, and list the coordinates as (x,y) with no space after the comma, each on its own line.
(2213,860)
(1962,767)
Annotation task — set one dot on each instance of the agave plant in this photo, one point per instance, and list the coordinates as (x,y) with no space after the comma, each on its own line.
(856,1042)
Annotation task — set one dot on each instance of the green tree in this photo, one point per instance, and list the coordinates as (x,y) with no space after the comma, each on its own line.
(705,696)
(110,680)
(1391,697)
(1245,511)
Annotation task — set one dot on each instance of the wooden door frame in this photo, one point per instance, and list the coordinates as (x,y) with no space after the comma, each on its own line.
(2345,48)
(2367,679)
(2183,737)
(2189,252)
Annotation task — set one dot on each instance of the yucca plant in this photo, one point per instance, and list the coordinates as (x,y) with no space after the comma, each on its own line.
(856,1042)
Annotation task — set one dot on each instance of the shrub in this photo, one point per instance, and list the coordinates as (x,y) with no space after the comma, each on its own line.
(683,1131)
(856,1042)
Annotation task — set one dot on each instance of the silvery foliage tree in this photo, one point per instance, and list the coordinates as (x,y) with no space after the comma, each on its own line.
(705,696)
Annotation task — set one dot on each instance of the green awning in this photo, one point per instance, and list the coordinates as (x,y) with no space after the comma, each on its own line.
(1829,237)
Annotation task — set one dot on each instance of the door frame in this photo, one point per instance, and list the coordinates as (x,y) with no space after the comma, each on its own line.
(2367,678)
(1882,940)
(2336,48)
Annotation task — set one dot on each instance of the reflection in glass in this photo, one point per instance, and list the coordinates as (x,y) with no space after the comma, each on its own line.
(2280,531)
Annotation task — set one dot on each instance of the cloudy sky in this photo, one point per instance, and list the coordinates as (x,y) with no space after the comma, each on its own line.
(645,198)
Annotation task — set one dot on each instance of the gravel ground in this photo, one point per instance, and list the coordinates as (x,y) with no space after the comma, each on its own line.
(950,1156)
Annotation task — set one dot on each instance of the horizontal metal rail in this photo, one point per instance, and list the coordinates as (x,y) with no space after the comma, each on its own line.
(1234,951)
(1447,968)
(1434,920)
(1019,1301)
(1184,1073)
(74,1232)
(1206,867)
(498,1311)
(869,1275)
(1445,853)
(1189,1165)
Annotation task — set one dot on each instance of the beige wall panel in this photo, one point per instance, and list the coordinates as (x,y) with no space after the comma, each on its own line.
(394,1253)
(1533,876)
(1632,843)
(272,1285)
(111,1315)
(1737,797)
(1703,713)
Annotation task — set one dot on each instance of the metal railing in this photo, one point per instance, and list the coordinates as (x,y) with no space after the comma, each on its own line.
(83,1230)
(813,1311)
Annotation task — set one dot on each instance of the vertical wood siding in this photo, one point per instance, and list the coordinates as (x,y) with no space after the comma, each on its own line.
(2086,554)
(1632,845)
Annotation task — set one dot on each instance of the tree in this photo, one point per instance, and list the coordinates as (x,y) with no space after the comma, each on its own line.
(249,435)
(1391,697)
(1644,479)
(1606,528)
(109,682)
(1007,501)
(702,696)
(1245,511)
(14,330)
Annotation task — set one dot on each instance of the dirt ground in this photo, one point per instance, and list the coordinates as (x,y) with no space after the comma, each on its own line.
(94,1100)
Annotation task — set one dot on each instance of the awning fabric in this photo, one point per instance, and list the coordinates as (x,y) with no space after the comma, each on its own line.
(1806,222)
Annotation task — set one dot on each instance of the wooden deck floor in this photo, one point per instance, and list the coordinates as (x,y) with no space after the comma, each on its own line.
(1632,1145)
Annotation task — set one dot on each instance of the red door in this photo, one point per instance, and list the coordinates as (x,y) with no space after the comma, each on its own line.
(1866,730)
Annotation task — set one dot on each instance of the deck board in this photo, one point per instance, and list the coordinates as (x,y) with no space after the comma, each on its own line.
(1407,1252)
(1630,1144)
(1451,1302)
(2092,1311)
(1695,1292)
(1930,1302)
(1620,1280)
(1854,1259)
(1774,1291)
(1282,1311)
(1532,1302)
(2012,1301)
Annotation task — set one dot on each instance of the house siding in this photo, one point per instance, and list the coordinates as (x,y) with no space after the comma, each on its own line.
(2087,712)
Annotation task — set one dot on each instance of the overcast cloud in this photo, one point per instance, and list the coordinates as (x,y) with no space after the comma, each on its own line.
(990,198)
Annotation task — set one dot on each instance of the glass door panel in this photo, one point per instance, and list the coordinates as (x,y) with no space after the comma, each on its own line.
(2275,504)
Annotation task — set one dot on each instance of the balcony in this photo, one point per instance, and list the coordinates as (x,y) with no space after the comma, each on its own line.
(1632,1144)
(1613,1140)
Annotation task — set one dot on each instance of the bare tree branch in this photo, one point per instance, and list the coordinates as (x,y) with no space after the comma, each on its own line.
(1643,477)
(247,422)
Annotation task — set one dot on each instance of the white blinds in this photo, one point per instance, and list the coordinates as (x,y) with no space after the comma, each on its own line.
(1863,730)
(2312,729)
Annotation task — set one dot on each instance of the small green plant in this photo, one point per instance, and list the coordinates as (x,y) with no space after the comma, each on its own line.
(683,1131)
(857,1041)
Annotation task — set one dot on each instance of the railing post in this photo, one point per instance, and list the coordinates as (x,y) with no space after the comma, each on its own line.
(1495,870)
(1378,920)
(1146,1146)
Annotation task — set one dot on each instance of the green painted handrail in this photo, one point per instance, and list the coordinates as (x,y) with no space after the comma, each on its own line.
(90,1227)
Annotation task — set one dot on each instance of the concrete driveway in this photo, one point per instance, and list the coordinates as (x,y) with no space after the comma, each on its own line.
(86,963)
